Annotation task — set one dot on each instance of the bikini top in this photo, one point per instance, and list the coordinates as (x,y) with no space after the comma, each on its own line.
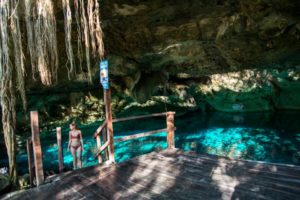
(75,137)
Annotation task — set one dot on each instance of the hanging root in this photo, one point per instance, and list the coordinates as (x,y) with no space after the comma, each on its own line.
(18,51)
(79,35)
(68,35)
(7,94)
(30,36)
(98,32)
(46,42)
(90,12)
(84,24)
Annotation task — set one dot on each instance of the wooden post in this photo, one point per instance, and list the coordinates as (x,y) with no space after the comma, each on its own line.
(60,150)
(170,129)
(104,140)
(29,154)
(99,147)
(110,131)
(37,150)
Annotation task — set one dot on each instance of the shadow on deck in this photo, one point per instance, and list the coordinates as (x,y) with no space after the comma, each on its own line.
(173,174)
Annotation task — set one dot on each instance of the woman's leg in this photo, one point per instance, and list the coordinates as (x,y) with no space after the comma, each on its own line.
(73,150)
(79,152)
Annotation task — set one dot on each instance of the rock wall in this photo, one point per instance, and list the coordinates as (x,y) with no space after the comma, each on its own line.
(199,38)
(230,55)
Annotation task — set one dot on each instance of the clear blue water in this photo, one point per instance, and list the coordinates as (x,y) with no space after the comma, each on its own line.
(271,137)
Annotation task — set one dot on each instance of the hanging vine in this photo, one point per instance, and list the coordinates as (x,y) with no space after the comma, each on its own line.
(85,27)
(10,30)
(79,35)
(46,42)
(68,35)
(98,32)
(18,51)
(30,36)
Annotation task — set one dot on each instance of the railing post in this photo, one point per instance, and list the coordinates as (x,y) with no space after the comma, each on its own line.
(110,131)
(29,154)
(60,150)
(37,150)
(170,129)
(98,139)
(104,140)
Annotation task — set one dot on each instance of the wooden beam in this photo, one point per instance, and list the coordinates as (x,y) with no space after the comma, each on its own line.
(110,131)
(139,117)
(99,130)
(130,137)
(37,150)
(30,161)
(60,150)
(170,130)
(98,139)
(102,148)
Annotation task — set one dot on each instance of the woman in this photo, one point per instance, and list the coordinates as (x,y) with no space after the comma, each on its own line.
(75,145)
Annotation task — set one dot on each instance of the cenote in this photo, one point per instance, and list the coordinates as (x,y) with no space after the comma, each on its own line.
(264,136)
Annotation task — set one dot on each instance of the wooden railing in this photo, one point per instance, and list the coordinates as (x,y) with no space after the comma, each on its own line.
(34,151)
(109,141)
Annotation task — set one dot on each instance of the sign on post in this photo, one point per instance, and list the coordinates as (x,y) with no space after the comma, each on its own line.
(104,74)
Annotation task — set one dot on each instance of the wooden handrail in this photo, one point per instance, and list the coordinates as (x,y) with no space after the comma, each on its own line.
(99,130)
(170,132)
(103,147)
(141,117)
(139,135)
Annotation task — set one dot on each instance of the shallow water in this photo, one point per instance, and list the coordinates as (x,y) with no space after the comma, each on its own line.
(271,137)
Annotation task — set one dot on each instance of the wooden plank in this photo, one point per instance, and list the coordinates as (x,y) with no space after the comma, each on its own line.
(139,135)
(82,186)
(30,161)
(98,139)
(173,174)
(102,148)
(110,131)
(37,150)
(140,117)
(190,170)
(170,130)
(100,129)
(60,150)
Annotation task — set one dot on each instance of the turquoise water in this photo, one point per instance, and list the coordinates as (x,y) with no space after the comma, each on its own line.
(271,137)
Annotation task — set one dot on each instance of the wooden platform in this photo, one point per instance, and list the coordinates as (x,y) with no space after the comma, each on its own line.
(173,174)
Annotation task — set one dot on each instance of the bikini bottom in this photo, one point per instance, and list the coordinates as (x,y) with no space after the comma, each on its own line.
(76,147)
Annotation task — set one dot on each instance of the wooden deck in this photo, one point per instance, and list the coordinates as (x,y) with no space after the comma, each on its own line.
(173,174)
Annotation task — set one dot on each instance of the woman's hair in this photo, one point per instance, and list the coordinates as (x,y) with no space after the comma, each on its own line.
(74,124)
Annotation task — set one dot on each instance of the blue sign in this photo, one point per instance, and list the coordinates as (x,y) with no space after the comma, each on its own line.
(104,74)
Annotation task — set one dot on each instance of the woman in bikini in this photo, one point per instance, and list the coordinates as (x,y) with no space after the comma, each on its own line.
(75,145)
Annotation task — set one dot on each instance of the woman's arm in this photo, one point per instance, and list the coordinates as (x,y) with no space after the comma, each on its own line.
(69,141)
(81,140)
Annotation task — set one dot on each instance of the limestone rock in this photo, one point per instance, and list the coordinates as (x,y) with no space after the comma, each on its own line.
(249,91)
